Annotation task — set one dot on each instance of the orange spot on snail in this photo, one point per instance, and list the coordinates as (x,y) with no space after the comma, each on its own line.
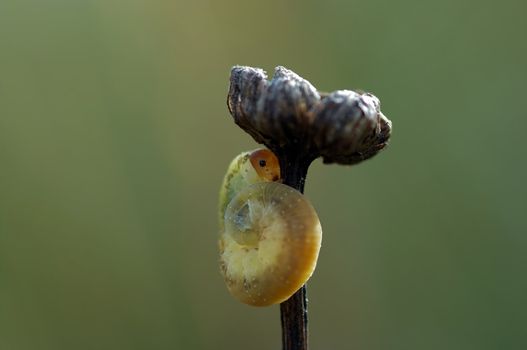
(266,164)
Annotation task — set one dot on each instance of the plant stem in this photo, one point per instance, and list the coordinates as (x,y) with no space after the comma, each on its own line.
(293,314)
(293,311)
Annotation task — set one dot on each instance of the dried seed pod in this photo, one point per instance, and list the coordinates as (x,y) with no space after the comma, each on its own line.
(275,113)
(270,234)
(288,115)
(246,88)
(349,127)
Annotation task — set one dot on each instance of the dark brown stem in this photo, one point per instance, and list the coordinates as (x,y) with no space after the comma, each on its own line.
(293,311)
(293,314)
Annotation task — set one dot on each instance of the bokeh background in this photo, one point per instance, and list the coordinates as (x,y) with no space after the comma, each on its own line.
(114,137)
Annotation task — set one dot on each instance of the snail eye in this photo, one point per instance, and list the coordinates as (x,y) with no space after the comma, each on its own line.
(266,164)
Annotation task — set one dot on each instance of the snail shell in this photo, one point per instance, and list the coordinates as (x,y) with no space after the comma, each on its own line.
(270,233)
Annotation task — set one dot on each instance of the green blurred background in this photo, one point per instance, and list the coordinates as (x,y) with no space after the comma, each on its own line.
(114,137)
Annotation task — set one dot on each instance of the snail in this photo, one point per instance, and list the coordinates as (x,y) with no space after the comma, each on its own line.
(270,234)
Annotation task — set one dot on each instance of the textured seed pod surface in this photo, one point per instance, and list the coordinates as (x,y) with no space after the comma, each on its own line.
(344,127)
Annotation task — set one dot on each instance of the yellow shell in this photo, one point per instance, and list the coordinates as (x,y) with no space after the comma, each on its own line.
(270,237)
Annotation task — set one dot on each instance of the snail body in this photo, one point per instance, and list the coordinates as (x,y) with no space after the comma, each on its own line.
(270,234)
